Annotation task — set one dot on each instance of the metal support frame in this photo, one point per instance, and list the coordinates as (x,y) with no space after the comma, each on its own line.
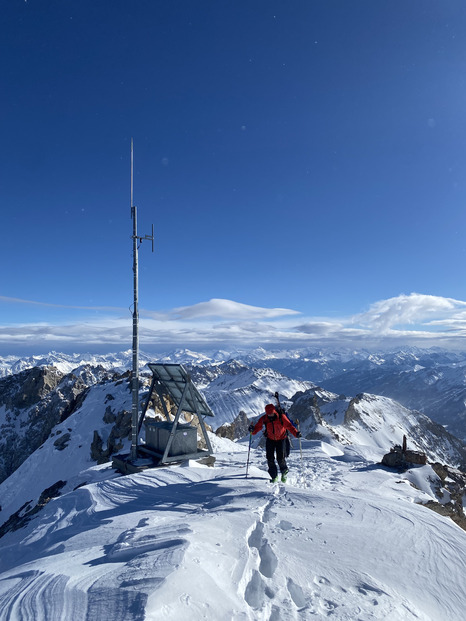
(174,426)
(189,400)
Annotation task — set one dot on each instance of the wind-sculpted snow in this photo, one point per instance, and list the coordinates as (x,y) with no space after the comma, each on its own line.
(345,539)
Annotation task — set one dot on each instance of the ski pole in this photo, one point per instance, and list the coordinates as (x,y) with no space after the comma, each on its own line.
(300,445)
(249,450)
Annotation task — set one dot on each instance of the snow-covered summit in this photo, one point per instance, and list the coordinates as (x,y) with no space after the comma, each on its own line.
(345,539)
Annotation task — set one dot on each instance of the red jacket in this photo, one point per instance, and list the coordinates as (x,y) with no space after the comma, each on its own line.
(275,429)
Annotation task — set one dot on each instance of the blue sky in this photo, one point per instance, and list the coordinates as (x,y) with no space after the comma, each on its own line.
(308,156)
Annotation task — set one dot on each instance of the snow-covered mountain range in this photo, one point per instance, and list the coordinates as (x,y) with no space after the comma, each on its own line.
(431,381)
(88,410)
(33,401)
(347,537)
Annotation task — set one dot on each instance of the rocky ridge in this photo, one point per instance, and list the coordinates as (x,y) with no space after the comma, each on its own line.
(351,420)
(33,402)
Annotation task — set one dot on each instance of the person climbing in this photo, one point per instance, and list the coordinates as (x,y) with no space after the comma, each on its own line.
(276,427)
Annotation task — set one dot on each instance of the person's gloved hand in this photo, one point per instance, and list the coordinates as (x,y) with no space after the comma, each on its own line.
(299,435)
(251,428)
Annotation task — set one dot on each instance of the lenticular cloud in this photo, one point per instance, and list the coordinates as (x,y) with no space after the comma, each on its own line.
(407,309)
(227,309)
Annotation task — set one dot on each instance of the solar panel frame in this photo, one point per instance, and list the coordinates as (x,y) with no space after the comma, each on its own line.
(172,379)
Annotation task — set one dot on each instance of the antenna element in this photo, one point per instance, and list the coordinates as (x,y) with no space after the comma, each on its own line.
(135,371)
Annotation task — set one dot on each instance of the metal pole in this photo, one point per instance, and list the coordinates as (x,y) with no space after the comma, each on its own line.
(300,449)
(135,373)
(249,451)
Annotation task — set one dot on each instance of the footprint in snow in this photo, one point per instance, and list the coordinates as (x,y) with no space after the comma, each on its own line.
(255,538)
(269,561)
(296,593)
(285,525)
(254,594)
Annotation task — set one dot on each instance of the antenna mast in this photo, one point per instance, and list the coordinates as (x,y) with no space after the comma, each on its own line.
(135,371)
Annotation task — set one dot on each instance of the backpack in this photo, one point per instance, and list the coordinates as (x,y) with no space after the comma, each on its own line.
(280,412)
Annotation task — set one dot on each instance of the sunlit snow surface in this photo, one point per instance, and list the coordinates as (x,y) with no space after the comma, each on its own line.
(344,539)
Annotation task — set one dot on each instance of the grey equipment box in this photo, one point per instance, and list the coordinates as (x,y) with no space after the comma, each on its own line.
(184,441)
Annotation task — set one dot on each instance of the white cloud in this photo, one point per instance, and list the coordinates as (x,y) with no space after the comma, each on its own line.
(224,309)
(406,319)
(412,318)
(10,300)
(404,310)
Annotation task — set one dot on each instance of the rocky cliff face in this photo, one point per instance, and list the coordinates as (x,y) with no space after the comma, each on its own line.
(371,419)
(237,429)
(29,387)
(32,403)
(451,492)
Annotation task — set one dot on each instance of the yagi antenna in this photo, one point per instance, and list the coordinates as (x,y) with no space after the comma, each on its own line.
(135,235)
(135,373)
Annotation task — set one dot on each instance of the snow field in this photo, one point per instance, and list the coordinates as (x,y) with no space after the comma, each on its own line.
(344,539)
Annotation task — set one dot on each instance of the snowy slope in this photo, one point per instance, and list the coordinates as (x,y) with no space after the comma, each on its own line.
(345,539)
(102,424)
(66,454)
(103,403)
(248,390)
(375,421)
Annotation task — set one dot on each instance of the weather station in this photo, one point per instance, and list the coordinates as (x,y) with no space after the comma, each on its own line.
(173,439)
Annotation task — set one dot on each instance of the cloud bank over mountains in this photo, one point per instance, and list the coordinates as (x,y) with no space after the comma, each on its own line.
(415,319)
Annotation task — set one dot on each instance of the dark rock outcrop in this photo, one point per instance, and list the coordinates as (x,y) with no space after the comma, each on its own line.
(397,458)
(453,487)
(35,401)
(120,430)
(28,387)
(237,429)
(24,514)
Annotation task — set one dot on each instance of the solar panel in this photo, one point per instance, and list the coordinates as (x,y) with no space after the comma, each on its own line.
(173,379)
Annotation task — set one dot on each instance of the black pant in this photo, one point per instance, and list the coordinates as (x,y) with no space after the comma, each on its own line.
(278,446)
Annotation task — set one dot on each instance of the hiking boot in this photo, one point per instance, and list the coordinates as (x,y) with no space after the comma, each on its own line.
(275,480)
(284,476)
